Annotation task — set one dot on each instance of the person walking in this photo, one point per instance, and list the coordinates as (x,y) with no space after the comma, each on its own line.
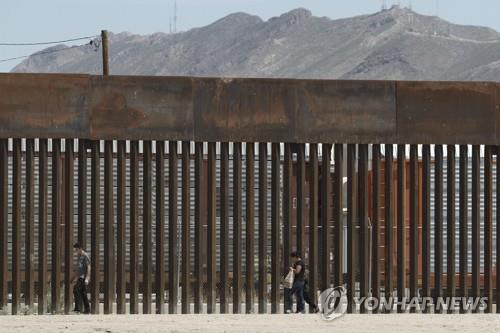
(298,269)
(82,277)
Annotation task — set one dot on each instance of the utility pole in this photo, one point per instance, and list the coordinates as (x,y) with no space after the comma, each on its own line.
(105,56)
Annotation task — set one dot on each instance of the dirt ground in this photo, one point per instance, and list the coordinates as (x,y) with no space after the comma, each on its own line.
(250,323)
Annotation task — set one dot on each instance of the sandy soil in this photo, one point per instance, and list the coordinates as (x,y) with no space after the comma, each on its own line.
(251,323)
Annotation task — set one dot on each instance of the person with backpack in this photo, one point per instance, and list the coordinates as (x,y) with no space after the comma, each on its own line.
(298,268)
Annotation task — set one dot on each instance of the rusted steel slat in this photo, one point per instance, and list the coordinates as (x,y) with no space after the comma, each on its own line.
(173,252)
(16,227)
(287,213)
(95,227)
(134,227)
(82,193)
(413,222)
(326,215)
(198,227)
(275,229)
(109,263)
(351,227)
(426,223)
(146,227)
(4,226)
(30,223)
(186,240)
(488,228)
(313,223)
(338,246)
(237,227)
(464,210)
(211,234)
(375,265)
(56,225)
(249,244)
(363,244)
(121,241)
(450,226)
(401,225)
(301,208)
(224,228)
(262,228)
(388,208)
(498,232)
(475,221)
(68,223)
(438,224)
(160,228)
(42,223)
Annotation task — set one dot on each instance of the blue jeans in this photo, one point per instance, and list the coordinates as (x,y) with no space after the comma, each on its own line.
(298,291)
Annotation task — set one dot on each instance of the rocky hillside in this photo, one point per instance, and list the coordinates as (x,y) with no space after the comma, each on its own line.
(392,44)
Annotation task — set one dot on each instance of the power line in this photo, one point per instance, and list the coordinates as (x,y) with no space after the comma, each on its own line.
(47,43)
(38,53)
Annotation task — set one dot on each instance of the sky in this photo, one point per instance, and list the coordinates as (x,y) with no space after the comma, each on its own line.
(29,21)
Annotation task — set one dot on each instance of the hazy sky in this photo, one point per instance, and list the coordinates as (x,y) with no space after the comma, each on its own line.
(47,20)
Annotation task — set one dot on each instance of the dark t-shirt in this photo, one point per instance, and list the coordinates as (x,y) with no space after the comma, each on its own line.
(300,276)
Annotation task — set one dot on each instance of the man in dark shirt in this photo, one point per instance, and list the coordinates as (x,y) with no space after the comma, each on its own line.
(298,268)
(82,277)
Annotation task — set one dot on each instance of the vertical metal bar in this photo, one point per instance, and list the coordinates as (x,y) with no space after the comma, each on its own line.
(363,245)
(16,227)
(325,188)
(68,221)
(30,227)
(301,179)
(224,228)
(464,211)
(237,226)
(338,278)
(134,227)
(82,193)
(488,229)
(95,228)
(275,228)
(4,222)
(186,244)
(351,227)
(413,222)
(388,207)
(160,228)
(250,168)
(173,253)
(198,227)
(475,222)
(287,214)
(450,226)
(211,237)
(42,224)
(313,224)
(497,231)
(121,228)
(426,223)
(56,225)
(438,224)
(109,263)
(262,227)
(375,223)
(146,231)
(401,225)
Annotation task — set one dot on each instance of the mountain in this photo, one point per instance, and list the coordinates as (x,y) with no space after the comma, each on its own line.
(397,43)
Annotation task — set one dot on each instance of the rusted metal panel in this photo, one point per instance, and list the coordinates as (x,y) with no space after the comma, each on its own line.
(450,224)
(262,289)
(463,215)
(30,223)
(198,227)
(134,227)
(250,215)
(211,232)
(426,223)
(160,228)
(147,257)
(325,215)
(476,229)
(363,244)
(438,223)
(56,225)
(95,227)
(414,210)
(376,227)
(68,223)
(401,227)
(287,213)
(109,260)
(338,236)
(351,227)
(173,252)
(186,238)
(446,112)
(224,228)
(388,208)
(275,229)
(16,228)
(42,223)
(121,241)
(488,228)
(237,226)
